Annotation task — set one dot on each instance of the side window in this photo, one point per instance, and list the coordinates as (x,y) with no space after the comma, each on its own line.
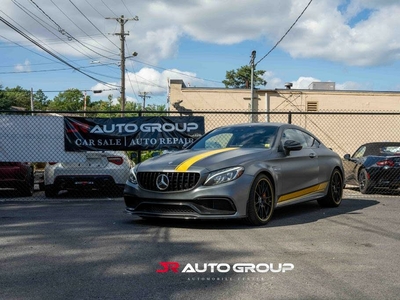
(296,135)
(310,140)
(360,152)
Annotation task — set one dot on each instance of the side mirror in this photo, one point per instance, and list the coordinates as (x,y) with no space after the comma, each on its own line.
(291,145)
(346,156)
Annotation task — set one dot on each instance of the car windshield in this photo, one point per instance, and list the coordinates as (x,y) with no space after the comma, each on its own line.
(243,136)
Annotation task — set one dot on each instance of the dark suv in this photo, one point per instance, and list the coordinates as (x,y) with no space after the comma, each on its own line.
(18,176)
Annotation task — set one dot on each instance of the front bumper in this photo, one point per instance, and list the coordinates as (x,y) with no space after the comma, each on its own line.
(224,201)
(85,182)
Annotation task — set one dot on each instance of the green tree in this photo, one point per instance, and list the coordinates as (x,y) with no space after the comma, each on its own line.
(5,102)
(70,100)
(18,97)
(241,78)
(40,100)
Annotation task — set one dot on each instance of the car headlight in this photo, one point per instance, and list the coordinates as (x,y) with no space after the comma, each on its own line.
(224,175)
(132,175)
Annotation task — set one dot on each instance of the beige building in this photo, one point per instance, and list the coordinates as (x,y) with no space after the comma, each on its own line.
(343,120)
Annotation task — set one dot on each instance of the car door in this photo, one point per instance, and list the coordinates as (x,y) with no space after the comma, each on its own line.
(299,169)
(351,164)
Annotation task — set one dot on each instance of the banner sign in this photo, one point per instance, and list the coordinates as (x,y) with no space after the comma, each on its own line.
(131,133)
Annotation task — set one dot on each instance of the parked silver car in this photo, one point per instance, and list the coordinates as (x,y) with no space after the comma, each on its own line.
(238,171)
(102,170)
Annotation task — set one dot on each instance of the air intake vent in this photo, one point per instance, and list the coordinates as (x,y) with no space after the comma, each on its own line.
(312,106)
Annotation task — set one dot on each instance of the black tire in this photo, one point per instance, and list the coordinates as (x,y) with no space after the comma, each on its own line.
(364,183)
(28,186)
(335,191)
(50,191)
(260,205)
(114,191)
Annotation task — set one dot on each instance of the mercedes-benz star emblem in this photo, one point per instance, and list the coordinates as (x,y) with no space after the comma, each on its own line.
(162,182)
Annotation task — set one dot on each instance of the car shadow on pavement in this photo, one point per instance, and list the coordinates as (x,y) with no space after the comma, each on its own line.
(285,216)
(9,193)
(95,194)
(378,191)
(309,212)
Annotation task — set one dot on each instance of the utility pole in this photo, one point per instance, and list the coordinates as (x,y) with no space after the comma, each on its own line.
(32,108)
(122,35)
(84,104)
(252,65)
(144,95)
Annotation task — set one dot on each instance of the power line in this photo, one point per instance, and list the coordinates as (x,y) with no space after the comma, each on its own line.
(49,52)
(93,24)
(36,18)
(109,8)
(290,28)
(53,70)
(26,49)
(180,73)
(80,28)
(64,32)
(127,8)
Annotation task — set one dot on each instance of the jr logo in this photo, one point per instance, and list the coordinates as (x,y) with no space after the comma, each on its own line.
(169,266)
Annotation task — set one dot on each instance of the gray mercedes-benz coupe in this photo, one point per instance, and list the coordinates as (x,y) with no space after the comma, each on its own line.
(237,171)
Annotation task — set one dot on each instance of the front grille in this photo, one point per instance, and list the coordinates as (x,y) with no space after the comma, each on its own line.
(178,181)
(165,209)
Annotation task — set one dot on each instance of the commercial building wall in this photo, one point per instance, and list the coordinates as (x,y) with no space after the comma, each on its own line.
(379,119)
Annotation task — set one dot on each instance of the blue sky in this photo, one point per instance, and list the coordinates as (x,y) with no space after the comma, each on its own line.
(355,43)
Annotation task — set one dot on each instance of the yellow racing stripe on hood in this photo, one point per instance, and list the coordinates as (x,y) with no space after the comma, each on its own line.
(185,165)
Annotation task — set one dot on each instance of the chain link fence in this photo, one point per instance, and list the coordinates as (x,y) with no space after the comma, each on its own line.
(344,132)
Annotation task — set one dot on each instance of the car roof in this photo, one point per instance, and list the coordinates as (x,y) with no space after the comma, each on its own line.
(268,124)
(381,144)
(262,124)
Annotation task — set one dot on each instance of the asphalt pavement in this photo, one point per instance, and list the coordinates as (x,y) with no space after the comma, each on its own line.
(86,247)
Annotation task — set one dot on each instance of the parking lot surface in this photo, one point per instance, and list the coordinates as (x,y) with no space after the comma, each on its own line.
(86,247)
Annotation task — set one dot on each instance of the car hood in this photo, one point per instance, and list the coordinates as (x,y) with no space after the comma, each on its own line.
(197,160)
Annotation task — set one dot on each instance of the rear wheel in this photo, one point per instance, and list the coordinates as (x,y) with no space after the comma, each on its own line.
(335,191)
(260,205)
(364,182)
(28,186)
(50,191)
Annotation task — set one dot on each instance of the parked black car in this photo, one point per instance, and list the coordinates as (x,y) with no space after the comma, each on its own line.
(373,166)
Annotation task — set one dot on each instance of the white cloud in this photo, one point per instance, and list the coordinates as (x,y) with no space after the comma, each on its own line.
(24,67)
(322,32)
(337,31)
(153,82)
(349,85)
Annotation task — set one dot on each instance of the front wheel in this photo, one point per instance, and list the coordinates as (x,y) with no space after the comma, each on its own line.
(260,205)
(364,182)
(335,191)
